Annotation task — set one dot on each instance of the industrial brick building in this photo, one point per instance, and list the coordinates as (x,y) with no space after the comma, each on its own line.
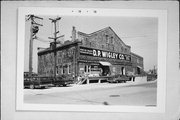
(101,53)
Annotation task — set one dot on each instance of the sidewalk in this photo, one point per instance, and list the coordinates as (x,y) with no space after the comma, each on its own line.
(76,87)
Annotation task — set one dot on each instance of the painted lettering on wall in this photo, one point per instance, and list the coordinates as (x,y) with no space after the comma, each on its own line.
(104,54)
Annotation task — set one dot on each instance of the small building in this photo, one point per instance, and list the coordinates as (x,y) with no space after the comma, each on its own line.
(137,64)
(101,53)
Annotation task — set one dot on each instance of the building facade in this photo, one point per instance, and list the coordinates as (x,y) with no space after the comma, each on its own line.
(101,53)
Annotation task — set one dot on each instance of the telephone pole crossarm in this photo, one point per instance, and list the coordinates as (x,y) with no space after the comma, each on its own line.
(56,37)
(54,20)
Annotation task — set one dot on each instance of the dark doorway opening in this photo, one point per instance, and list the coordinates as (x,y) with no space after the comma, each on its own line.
(105,70)
(123,70)
(138,70)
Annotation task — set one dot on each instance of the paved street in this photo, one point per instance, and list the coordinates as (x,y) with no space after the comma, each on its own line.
(143,94)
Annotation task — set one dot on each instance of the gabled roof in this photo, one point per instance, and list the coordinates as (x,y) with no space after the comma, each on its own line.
(101,30)
(136,55)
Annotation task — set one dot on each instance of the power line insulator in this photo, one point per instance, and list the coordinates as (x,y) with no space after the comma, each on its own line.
(35,29)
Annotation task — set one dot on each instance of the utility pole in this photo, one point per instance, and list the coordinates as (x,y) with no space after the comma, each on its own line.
(55,42)
(33,30)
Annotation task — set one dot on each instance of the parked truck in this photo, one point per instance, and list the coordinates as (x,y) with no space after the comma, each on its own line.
(63,80)
(37,82)
(44,81)
(119,79)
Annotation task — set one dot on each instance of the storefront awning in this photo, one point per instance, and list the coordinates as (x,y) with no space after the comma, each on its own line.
(139,67)
(105,63)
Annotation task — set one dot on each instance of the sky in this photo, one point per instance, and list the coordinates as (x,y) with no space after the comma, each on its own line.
(141,33)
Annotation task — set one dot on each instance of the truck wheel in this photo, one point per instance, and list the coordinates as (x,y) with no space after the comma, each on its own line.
(64,85)
(31,86)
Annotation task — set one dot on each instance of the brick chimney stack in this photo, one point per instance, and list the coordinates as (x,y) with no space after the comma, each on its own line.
(73,33)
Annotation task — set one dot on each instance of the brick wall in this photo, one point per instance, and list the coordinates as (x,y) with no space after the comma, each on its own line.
(65,65)
(137,63)
(46,64)
(105,39)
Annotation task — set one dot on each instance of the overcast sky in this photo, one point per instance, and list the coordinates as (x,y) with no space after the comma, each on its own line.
(141,33)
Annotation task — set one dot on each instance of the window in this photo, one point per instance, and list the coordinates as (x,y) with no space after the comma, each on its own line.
(137,60)
(122,49)
(112,41)
(102,46)
(69,69)
(113,48)
(87,68)
(86,41)
(125,50)
(63,70)
(107,40)
(107,45)
(57,70)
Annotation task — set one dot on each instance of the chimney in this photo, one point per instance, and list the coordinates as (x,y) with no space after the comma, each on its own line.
(73,33)
(52,45)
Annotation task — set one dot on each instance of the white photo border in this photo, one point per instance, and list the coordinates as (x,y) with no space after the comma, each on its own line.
(162,57)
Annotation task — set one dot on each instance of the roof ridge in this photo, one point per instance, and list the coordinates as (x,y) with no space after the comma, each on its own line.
(95,31)
(103,30)
(100,30)
(136,54)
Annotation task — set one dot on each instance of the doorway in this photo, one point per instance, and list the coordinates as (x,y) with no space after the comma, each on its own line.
(138,70)
(105,70)
(123,71)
